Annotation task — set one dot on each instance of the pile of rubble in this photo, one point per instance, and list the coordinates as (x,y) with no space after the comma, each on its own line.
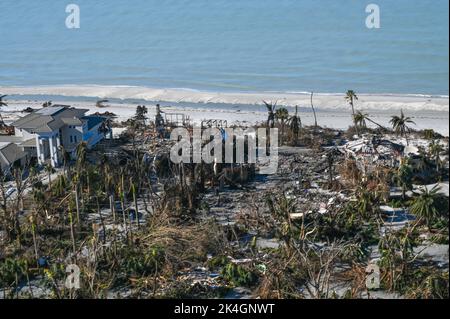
(374,151)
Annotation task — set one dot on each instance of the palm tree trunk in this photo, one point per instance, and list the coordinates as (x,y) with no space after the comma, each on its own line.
(354,117)
(379,125)
(77,205)
(33,232)
(49,180)
(72,233)
(136,205)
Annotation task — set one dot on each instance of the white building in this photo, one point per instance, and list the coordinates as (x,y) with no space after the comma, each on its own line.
(45,132)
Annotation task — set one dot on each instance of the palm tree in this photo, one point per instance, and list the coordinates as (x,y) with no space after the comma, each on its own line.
(423,161)
(314,112)
(81,152)
(403,176)
(66,161)
(400,125)
(282,115)
(295,124)
(50,170)
(365,201)
(271,113)
(141,114)
(351,97)
(362,118)
(60,185)
(426,205)
(435,150)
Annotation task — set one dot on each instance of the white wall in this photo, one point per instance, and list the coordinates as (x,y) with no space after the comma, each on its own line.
(69,130)
(23,133)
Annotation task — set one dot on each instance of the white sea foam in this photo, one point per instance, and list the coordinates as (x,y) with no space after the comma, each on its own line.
(324,101)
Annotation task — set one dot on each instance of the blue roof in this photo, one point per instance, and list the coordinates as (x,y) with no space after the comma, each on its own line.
(93,120)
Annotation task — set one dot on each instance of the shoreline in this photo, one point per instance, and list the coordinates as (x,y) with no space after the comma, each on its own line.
(339,118)
(323,101)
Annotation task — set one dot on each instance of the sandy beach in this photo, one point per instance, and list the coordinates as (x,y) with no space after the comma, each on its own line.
(332,109)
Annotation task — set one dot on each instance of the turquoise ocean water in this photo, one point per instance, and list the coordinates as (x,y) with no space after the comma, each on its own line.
(229,45)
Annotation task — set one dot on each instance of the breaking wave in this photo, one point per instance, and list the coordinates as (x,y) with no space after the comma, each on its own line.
(324,101)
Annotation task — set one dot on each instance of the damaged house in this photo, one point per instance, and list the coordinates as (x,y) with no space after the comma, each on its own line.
(369,152)
(43,133)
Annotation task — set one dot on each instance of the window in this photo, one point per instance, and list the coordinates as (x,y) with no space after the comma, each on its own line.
(71,139)
(75,138)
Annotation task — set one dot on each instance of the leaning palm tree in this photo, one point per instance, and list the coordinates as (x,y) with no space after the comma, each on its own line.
(400,125)
(295,124)
(282,115)
(271,107)
(426,205)
(351,97)
(361,120)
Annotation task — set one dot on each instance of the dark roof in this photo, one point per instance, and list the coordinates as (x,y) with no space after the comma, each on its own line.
(10,139)
(9,153)
(50,118)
